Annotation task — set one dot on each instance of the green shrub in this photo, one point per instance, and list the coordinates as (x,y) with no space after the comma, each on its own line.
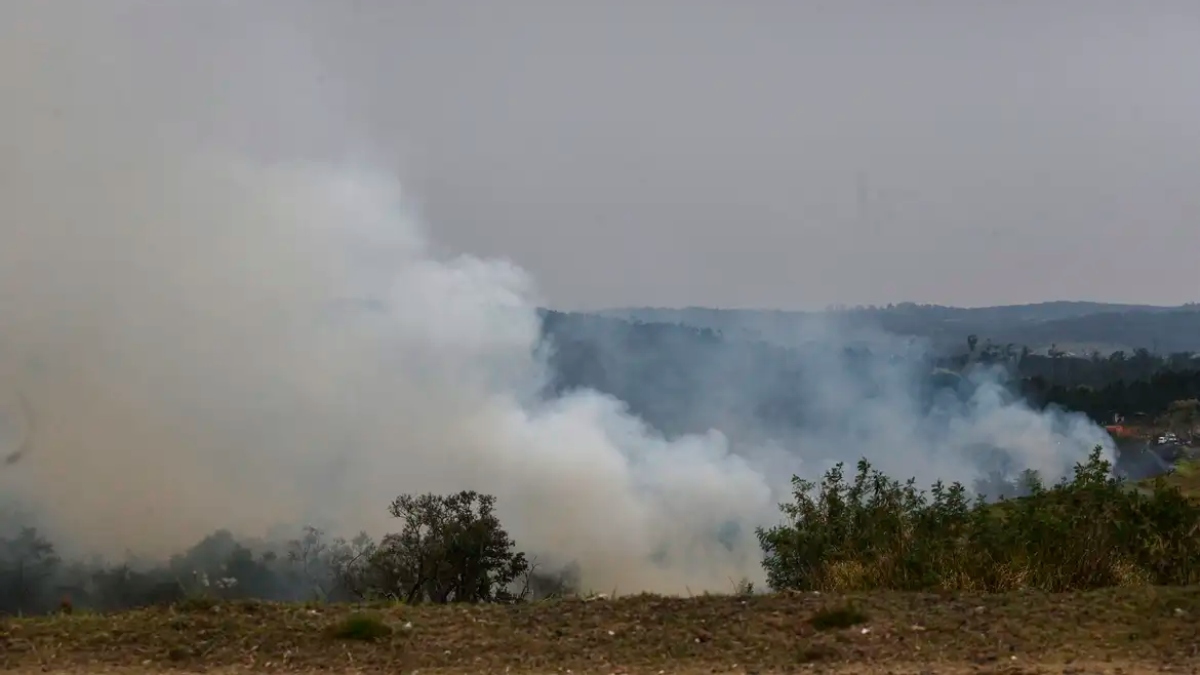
(1089,531)
(451,548)
(841,616)
(362,627)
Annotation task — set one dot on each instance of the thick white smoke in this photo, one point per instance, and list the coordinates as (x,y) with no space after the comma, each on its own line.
(230,343)
(212,339)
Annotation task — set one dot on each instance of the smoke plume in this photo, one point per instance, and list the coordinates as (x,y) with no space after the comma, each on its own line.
(213,332)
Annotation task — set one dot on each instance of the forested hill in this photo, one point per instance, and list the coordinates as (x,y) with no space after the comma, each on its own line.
(684,378)
(1072,326)
(677,378)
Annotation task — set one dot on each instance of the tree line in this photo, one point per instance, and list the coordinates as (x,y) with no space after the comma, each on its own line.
(448,548)
(862,532)
(678,377)
(1140,384)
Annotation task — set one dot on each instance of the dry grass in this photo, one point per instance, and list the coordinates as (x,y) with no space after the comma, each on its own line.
(649,634)
(1186,477)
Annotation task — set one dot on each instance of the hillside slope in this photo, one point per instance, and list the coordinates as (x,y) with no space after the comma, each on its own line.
(1076,325)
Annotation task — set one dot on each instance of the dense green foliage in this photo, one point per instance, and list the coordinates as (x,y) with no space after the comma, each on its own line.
(1148,398)
(1089,531)
(450,549)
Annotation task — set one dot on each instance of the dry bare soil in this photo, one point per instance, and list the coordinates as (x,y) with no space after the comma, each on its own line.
(1128,630)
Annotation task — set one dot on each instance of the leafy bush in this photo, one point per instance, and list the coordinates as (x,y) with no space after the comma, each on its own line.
(1089,531)
(450,549)
(362,627)
(841,616)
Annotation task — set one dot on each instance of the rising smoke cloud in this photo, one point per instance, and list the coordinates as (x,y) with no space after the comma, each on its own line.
(214,336)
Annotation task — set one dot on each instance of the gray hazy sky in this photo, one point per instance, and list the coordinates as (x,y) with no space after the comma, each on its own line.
(690,152)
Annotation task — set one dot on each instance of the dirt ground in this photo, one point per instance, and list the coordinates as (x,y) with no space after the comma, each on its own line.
(1132,630)
(1115,668)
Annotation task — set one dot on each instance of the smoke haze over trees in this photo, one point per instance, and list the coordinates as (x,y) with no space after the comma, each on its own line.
(663,370)
(1080,327)
(220,312)
(846,533)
